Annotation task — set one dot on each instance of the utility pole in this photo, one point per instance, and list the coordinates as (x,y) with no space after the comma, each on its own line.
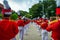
(42,7)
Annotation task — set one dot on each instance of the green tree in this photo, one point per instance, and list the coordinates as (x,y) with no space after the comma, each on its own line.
(49,8)
(36,10)
(1,15)
(28,15)
(23,13)
(14,15)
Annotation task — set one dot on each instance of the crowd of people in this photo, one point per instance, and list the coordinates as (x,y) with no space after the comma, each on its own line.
(10,28)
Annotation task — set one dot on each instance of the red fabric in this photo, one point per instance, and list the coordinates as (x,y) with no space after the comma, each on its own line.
(20,23)
(57,11)
(44,25)
(46,20)
(34,21)
(38,22)
(26,22)
(55,28)
(8,29)
(57,39)
(41,18)
(5,10)
(19,16)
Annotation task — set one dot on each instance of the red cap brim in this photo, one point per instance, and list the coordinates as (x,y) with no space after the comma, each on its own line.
(57,11)
(6,10)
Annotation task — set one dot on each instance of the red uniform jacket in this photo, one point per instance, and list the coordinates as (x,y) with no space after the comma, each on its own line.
(8,29)
(34,20)
(21,23)
(26,22)
(55,28)
(38,22)
(44,25)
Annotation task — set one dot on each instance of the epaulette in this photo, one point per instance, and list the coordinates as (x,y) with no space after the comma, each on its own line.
(12,20)
(53,21)
(39,21)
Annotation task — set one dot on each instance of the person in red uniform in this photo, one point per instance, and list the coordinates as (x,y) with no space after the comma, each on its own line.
(26,26)
(39,21)
(55,26)
(8,28)
(21,24)
(44,25)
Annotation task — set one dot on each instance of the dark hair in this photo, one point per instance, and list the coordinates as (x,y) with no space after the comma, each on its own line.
(5,15)
(58,7)
(58,15)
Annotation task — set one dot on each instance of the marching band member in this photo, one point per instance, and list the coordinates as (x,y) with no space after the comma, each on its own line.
(44,25)
(8,28)
(21,28)
(26,26)
(55,26)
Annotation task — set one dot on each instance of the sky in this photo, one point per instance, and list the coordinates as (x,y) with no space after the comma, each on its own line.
(21,4)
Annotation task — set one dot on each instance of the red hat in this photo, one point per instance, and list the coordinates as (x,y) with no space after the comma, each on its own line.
(6,11)
(58,11)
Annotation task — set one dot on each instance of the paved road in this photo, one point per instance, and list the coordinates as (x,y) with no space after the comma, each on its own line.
(33,34)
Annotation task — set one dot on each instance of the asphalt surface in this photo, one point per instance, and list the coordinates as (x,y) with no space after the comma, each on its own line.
(34,34)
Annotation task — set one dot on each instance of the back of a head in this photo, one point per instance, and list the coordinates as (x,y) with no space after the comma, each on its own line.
(6,13)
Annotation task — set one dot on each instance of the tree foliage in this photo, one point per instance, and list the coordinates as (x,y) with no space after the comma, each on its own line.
(49,8)
(36,10)
(14,16)
(1,15)
(46,7)
(24,13)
